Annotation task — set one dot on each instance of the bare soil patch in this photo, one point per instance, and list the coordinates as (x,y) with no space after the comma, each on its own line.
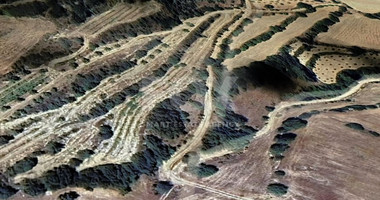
(18,35)
(251,104)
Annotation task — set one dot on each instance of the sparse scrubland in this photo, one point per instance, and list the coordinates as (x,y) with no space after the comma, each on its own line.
(206,99)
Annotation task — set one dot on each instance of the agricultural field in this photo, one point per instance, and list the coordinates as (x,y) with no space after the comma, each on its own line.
(206,99)
(350,32)
(366,6)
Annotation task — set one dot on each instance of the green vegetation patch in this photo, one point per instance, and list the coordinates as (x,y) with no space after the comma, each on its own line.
(280,173)
(6,191)
(205,170)
(278,149)
(345,79)
(162,187)
(277,189)
(4,139)
(293,123)
(167,118)
(105,131)
(308,7)
(22,166)
(359,127)
(225,134)
(355,126)
(114,176)
(322,25)
(22,88)
(285,138)
(307,115)
(355,108)
(72,195)
(374,133)
(373,15)
(54,147)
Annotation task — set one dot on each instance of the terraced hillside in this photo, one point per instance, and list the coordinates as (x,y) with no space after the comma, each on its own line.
(160,99)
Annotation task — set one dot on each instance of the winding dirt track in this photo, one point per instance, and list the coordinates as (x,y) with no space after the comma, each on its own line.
(169,167)
(285,105)
(199,132)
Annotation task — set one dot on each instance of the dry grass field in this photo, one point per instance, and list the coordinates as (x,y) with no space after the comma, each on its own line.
(252,105)
(354,30)
(321,158)
(257,27)
(367,6)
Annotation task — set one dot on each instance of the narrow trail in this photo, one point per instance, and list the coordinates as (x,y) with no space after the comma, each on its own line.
(168,166)
(85,46)
(285,105)
(199,132)
(178,180)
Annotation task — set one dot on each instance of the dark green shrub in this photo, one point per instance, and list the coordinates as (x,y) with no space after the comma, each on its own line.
(307,115)
(72,195)
(225,133)
(33,187)
(277,189)
(86,153)
(54,147)
(309,8)
(293,123)
(105,131)
(285,138)
(279,173)
(301,14)
(355,126)
(268,6)
(4,139)
(22,166)
(204,170)
(162,187)
(376,134)
(354,108)
(6,191)
(278,149)
(75,162)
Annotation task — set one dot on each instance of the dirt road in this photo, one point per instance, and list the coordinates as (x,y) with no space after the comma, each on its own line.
(274,116)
